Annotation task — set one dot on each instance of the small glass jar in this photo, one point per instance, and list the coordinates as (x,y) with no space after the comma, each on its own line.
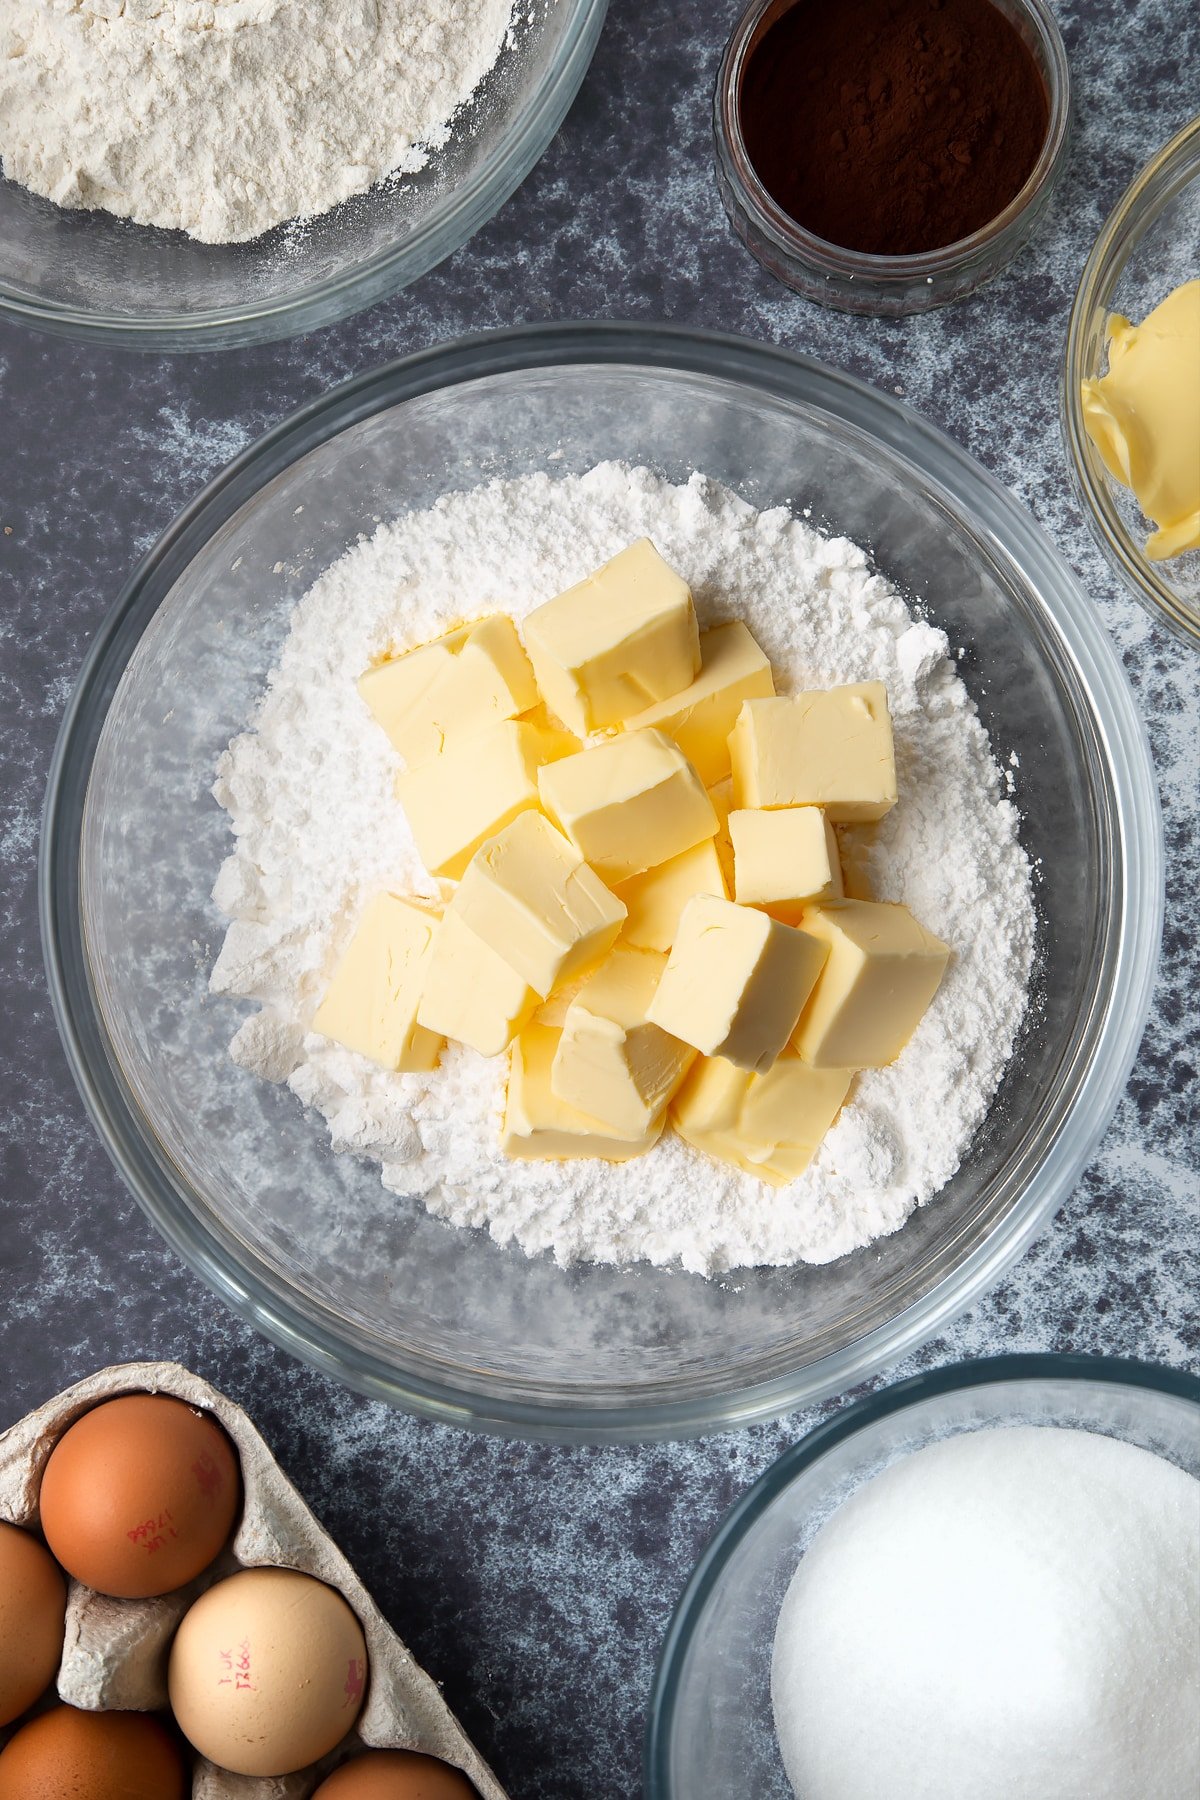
(855,280)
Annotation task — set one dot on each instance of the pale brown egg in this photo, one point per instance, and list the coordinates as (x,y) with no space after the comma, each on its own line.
(395,1775)
(140,1495)
(268,1671)
(69,1755)
(33,1600)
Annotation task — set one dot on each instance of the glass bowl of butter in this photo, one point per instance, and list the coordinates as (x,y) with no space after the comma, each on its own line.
(1131,386)
(303,1239)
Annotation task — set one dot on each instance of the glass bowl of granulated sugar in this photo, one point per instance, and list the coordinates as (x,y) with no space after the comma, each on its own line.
(371,1222)
(984,1580)
(196,175)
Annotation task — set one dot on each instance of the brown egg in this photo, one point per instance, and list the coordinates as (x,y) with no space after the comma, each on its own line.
(267,1672)
(396,1775)
(33,1600)
(69,1755)
(140,1495)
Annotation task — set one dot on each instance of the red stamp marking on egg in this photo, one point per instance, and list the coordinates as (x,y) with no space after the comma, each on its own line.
(152,1534)
(209,1478)
(356,1674)
(237,1670)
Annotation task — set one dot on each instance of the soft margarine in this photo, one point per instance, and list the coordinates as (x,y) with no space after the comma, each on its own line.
(1144,417)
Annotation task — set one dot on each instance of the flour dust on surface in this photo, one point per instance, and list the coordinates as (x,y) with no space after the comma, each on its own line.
(309,790)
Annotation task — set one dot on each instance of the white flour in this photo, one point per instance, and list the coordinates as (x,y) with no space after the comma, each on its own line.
(225,117)
(309,791)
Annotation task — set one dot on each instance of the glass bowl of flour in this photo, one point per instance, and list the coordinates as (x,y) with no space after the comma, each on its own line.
(205,846)
(195,174)
(711,1722)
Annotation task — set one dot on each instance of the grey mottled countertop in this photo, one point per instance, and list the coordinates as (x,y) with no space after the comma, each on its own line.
(535,1582)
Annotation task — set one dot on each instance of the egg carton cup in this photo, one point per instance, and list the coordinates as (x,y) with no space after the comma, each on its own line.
(115,1651)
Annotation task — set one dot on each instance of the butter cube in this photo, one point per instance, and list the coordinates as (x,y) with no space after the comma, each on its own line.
(882,971)
(529,894)
(783,859)
(831,749)
(537,1124)
(372,1001)
(722,804)
(700,719)
(471,993)
(655,898)
(625,637)
(457,800)
(553,1011)
(769,1125)
(453,688)
(736,982)
(611,1061)
(628,804)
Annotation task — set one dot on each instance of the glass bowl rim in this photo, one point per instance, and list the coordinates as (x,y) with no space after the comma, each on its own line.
(764,371)
(857,1415)
(1139,575)
(867,267)
(444,230)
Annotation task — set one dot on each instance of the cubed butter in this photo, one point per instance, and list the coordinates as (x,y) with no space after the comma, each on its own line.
(553,1010)
(471,993)
(538,1125)
(655,898)
(372,1001)
(882,971)
(769,1125)
(831,749)
(700,719)
(611,1061)
(451,689)
(628,804)
(783,859)
(722,804)
(736,982)
(529,894)
(474,788)
(622,639)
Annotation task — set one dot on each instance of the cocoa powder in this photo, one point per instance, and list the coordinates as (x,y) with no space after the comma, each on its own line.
(893,126)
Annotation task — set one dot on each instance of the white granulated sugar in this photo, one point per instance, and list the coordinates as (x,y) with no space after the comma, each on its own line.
(223,118)
(1009,1614)
(309,788)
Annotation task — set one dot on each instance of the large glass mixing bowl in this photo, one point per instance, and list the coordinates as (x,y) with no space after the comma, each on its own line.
(91,275)
(244,1184)
(710,1728)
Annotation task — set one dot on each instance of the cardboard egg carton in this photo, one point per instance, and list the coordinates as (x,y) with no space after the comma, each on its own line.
(115,1653)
